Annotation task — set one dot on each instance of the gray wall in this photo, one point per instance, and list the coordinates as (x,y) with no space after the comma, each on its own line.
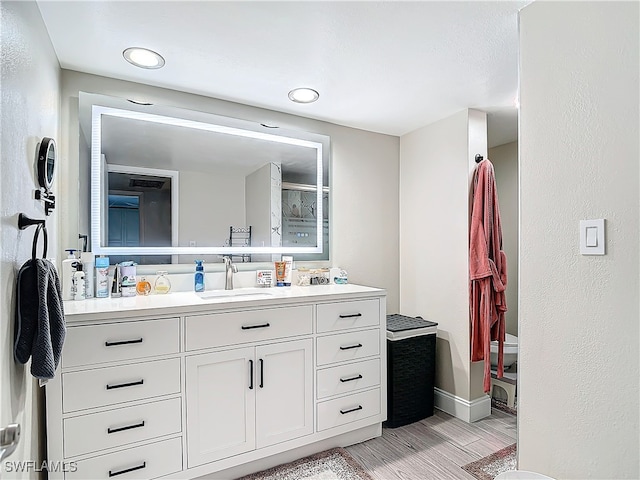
(436,164)
(505,162)
(30,86)
(579,318)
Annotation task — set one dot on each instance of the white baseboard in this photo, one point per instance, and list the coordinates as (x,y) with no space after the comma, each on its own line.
(469,411)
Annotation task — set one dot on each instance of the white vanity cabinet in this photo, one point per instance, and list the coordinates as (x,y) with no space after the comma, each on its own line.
(177,387)
(247,398)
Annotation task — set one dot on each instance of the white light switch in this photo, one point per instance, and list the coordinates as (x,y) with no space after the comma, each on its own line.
(592,237)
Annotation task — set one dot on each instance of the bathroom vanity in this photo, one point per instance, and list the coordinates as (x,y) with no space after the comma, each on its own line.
(181,385)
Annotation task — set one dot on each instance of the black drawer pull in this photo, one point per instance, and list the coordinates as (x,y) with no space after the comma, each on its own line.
(351,379)
(127,470)
(343,412)
(249,327)
(128,427)
(351,346)
(122,385)
(351,316)
(261,373)
(123,342)
(251,374)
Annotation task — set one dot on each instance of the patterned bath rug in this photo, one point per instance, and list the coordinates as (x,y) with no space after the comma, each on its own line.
(501,405)
(334,464)
(488,467)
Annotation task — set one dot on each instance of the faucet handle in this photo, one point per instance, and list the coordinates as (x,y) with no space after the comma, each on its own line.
(234,267)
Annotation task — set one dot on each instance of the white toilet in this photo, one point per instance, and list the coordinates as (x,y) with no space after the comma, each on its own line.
(510,351)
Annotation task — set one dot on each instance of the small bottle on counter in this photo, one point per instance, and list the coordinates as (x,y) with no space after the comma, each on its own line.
(78,283)
(102,277)
(162,284)
(143,287)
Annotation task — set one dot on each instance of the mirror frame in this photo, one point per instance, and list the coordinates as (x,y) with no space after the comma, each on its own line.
(47,148)
(225,125)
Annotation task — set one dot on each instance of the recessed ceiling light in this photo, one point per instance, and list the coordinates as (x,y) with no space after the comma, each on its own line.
(303,95)
(143,58)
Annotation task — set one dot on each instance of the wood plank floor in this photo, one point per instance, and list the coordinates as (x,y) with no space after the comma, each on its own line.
(434,448)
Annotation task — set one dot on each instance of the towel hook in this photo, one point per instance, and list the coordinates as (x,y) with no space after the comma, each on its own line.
(479,158)
(25,222)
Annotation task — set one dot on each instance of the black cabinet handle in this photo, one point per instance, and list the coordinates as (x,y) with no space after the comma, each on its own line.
(343,412)
(351,316)
(123,342)
(127,470)
(249,327)
(128,427)
(261,373)
(351,346)
(122,385)
(251,374)
(358,377)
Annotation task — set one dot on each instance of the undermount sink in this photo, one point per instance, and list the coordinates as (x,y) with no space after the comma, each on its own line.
(238,292)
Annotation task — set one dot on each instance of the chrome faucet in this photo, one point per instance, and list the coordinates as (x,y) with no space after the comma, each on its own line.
(230,268)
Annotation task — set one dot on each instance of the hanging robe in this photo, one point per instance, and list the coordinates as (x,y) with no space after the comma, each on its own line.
(487,272)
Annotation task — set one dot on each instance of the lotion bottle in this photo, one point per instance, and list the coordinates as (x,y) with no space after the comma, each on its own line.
(88,266)
(68,270)
(78,283)
(199,277)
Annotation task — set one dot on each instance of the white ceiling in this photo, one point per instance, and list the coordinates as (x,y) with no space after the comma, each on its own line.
(388,67)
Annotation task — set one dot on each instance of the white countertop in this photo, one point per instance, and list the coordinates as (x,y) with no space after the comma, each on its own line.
(190,302)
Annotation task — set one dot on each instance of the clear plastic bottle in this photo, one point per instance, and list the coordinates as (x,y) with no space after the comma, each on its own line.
(162,284)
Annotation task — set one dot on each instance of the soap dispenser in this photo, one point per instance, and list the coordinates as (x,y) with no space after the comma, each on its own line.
(199,277)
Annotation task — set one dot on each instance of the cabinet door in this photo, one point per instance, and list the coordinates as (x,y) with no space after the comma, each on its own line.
(220,401)
(284,394)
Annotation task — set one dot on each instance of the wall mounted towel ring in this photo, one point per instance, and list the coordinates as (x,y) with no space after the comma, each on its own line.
(46,166)
(25,222)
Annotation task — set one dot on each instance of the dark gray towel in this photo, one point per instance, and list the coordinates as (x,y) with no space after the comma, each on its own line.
(40,327)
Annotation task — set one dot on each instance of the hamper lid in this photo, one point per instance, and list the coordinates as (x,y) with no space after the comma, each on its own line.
(400,323)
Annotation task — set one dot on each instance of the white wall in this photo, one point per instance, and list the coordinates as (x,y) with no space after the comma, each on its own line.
(29,85)
(505,162)
(436,163)
(579,316)
(364,176)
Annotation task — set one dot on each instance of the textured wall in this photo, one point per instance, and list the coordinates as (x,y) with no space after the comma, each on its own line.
(505,162)
(364,176)
(30,86)
(435,168)
(579,315)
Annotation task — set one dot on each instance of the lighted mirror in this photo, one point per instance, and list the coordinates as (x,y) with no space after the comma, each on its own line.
(171,185)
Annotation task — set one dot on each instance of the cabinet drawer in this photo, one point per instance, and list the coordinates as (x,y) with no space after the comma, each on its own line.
(219,329)
(90,433)
(347,378)
(108,386)
(333,413)
(148,461)
(347,346)
(120,341)
(343,315)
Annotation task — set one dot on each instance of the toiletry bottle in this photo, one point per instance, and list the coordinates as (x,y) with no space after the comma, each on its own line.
(287,269)
(88,263)
(199,277)
(143,287)
(78,282)
(67,274)
(116,287)
(162,283)
(102,277)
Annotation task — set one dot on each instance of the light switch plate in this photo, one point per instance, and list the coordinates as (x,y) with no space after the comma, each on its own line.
(592,237)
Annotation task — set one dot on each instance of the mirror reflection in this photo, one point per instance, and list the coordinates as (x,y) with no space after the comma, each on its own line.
(170,185)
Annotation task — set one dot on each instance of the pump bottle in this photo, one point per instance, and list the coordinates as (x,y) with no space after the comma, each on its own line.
(199,277)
